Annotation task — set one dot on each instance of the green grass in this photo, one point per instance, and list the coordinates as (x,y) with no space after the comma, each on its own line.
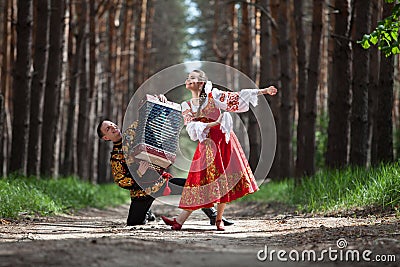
(21,195)
(337,190)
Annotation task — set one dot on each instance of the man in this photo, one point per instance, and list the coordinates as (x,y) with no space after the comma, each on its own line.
(153,179)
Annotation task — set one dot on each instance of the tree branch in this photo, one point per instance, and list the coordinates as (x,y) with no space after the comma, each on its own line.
(261,8)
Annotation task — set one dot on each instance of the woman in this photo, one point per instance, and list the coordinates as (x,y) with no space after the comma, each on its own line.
(219,172)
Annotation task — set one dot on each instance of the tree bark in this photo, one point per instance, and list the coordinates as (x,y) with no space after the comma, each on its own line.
(22,88)
(70,157)
(312,87)
(38,86)
(286,108)
(148,38)
(301,88)
(339,93)
(359,107)
(93,91)
(131,55)
(245,42)
(111,83)
(384,126)
(52,92)
(274,72)
(83,118)
(2,122)
(105,97)
(374,89)
(245,60)
(140,45)
(3,83)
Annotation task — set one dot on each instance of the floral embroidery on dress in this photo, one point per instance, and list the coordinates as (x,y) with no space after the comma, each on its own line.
(222,97)
(232,102)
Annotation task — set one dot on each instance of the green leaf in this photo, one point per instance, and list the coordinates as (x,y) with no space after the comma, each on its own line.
(395,50)
(374,40)
(365,44)
(394,35)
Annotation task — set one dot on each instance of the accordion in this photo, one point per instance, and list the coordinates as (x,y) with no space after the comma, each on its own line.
(157,132)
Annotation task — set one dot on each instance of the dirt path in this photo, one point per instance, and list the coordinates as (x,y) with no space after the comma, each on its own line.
(100,238)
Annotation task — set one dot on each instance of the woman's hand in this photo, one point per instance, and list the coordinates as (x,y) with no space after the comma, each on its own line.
(162,98)
(215,123)
(219,118)
(271,90)
(143,166)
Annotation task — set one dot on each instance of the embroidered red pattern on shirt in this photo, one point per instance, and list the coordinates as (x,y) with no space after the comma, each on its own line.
(222,97)
(232,102)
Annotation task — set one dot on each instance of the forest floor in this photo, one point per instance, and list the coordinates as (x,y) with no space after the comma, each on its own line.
(93,237)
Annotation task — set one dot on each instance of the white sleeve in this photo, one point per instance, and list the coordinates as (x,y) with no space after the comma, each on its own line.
(235,101)
(197,130)
(226,125)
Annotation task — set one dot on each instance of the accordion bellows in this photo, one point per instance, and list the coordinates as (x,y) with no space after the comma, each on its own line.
(158,131)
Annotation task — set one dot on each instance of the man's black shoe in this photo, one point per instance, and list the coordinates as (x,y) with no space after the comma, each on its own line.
(226,221)
(150,216)
(212,214)
(135,223)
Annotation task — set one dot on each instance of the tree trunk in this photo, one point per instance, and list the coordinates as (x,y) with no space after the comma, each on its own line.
(22,87)
(110,98)
(140,44)
(285,130)
(384,151)
(107,99)
(266,71)
(246,52)
(93,91)
(253,128)
(374,89)
(312,87)
(148,38)
(2,122)
(359,107)
(274,73)
(52,92)
(70,157)
(64,86)
(83,120)
(245,41)
(339,95)
(38,86)
(131,55)
(301,88)
(3,83)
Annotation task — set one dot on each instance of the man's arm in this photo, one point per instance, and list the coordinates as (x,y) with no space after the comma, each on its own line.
(120,172)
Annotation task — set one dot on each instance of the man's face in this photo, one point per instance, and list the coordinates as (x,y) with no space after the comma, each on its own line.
(111,131)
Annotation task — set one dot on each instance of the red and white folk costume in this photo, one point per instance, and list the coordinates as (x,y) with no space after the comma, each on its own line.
(219,172)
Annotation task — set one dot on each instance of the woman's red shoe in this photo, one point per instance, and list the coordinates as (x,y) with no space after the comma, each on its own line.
(172,222)
(220,225)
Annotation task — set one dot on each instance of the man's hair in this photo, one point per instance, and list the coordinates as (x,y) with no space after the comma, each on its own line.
(99,132)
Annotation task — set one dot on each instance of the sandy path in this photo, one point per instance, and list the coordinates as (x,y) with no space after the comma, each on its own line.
(100,238)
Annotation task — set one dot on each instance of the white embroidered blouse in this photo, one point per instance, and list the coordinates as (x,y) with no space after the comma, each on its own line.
(210,110)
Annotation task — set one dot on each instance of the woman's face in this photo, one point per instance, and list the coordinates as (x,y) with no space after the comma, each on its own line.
(192,82)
